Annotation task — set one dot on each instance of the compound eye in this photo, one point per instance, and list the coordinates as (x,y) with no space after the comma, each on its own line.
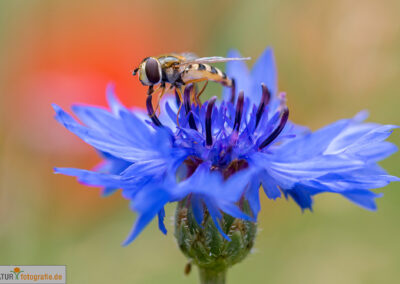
(153,71)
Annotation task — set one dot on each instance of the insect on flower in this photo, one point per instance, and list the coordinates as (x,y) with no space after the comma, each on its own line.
(213,158)
(179,70)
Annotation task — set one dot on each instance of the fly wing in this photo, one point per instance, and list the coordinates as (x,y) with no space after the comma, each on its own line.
(189,56)
(213,59)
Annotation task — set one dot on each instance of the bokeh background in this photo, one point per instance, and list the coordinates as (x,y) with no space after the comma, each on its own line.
(334,58)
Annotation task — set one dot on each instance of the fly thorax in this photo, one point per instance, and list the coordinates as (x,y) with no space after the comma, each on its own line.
(172,74)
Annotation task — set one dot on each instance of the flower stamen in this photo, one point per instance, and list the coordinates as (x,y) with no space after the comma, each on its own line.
(233,91)
(283,101)
(150,111)
(266,96)
(210,107)
(278,130)
(186,99)
(239,111)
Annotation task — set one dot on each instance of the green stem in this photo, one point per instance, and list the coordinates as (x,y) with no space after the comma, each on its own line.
(208,276)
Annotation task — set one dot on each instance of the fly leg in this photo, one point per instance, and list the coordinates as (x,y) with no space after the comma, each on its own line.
(193,95)
(196,80)
(197,97)
(179,92)
(151,92)
(162,88)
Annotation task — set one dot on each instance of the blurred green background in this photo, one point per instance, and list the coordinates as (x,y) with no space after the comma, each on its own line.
(334,59)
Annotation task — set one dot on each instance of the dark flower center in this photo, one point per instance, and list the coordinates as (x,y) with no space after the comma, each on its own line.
(234,167)
(192,162)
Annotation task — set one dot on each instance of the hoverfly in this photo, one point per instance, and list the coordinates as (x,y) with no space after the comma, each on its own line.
(179,70)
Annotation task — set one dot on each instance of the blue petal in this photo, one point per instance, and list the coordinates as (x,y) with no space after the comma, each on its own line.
(142,221)
(312,144)
(253,196)
(95,117)
(197,207)
(370,139)
(363,198)
(107,191)
(301,197)
(148,204)
(97,139)
(216,216)
(237,70)
(378,152)
(234,187)
(264,71)
(270,187)
(232,210)
(112,99)
(92,178)
(161,216)
(289,173)
(136,127)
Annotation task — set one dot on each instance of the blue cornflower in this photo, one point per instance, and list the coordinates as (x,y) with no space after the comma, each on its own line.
(215,156)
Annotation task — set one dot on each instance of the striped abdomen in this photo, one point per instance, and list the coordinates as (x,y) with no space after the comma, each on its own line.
(200,72)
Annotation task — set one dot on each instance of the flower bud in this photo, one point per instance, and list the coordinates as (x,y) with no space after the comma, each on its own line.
(204,245)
